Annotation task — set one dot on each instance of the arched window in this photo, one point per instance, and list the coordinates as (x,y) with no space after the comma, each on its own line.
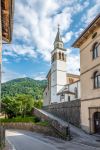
(59,55)
(96,79)
(76,92)
(95,50)
(62,56)
(57,44)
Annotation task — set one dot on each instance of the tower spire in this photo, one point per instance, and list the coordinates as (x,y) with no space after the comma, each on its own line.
(58,27)
(58,37)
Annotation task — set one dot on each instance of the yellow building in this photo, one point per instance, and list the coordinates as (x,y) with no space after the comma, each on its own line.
(89,44)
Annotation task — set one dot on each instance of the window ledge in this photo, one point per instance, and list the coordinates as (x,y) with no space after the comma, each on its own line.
(96,88)
(95,58)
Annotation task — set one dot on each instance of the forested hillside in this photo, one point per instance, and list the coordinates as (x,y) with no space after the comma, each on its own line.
(24,86)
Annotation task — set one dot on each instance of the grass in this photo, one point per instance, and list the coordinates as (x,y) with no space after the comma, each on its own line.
(43,123)
(27,119)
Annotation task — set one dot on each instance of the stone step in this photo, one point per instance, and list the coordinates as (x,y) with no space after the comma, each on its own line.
(59,125)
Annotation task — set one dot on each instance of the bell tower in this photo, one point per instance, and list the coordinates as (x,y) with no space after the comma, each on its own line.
(58,68)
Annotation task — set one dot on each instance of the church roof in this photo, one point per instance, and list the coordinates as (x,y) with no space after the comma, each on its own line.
(72,75)
(66,91)
(58,37)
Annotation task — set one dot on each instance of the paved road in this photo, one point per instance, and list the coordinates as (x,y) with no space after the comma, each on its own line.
(23,140)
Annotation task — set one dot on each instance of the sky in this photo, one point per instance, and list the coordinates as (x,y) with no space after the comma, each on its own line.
(34,31)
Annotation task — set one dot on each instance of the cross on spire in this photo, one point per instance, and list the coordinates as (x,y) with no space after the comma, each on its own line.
(58,27)
(58,37)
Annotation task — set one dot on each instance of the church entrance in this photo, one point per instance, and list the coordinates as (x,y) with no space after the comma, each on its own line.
(97,122)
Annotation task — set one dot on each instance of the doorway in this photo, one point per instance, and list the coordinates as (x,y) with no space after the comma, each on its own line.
(97,122)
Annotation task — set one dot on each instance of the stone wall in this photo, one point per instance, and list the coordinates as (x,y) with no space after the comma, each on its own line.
(59,126)
(65,111)
(47,130)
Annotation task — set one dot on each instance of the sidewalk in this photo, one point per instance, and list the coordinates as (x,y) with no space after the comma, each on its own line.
(7,146)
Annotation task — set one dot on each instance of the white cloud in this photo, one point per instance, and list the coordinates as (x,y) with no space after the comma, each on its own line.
(92,12)
(78,32)
(73,64)
(35,27)
(10,75)
(14,50)
(36,22)
(39,76)
(5,60)
(68,36)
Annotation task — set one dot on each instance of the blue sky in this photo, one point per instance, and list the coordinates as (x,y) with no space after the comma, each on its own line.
(35,27)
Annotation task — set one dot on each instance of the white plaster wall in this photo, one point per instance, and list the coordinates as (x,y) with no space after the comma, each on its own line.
(71,88)
(54,66)
(46,99)
(61,65)
(61,78)
(58,79)
(54,97)
(54,78)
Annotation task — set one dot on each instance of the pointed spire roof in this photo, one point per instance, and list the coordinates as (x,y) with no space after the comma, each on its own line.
(58,37)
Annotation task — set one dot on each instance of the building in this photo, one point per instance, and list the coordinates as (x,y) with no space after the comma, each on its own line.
(6,17)
(62,86)
(89,44)
(6,23)
(6,26)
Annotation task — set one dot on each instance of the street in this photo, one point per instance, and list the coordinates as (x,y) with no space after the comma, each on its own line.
(24,140)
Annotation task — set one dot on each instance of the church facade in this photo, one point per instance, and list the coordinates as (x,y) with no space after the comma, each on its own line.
(64,87)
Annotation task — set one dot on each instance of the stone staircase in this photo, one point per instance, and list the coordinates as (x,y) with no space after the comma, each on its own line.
(62,128)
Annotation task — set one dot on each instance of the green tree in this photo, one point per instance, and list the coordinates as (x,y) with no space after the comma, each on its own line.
(10,106)
(26,103)
(38,104)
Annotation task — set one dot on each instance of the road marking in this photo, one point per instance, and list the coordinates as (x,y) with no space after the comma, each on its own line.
(12,146)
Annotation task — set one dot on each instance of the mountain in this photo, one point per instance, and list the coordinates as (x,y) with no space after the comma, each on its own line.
(24,86)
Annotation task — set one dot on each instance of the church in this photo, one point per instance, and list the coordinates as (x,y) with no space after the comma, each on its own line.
(64,87)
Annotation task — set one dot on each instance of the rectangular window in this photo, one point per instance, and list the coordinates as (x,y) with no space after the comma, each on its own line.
(99,81)
(62,97)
